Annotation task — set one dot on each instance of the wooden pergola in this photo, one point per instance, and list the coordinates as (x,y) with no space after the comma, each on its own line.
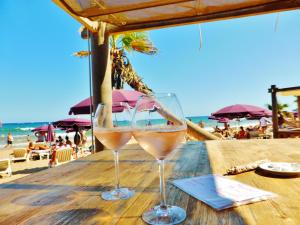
(290,91)
(132,15)
(105,17)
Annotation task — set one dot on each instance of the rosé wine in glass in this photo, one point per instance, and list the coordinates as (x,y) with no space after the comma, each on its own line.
(160,143)
(113,139)
(114,135)
(159,137)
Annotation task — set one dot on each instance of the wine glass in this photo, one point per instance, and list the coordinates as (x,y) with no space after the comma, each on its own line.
(114,131)
(159,127)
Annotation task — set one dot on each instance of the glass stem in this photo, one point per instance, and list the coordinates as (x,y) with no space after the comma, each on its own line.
(117,172)
(161,164)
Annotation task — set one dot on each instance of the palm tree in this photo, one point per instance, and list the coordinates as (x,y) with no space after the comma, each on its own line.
(122,70)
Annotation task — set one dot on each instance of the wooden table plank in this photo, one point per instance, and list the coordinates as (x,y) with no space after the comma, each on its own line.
(283,209)
(70,194)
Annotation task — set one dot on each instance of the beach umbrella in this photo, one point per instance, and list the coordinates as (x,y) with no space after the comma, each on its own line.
(219,119)
(43,128)
(257,116)
(50,134)
(223,120)
(118,96)
(148,104)
(241,111)
(70,122)
(213,118)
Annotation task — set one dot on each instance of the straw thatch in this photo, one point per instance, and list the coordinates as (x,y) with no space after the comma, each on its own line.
(128,15)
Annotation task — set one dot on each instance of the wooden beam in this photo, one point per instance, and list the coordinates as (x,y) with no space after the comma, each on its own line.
(288,89)
(298,103)
(95,12)
(90,25)
(278,6)
(274,110)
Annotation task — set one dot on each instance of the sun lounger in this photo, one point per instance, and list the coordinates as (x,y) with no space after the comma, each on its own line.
(40,153)
(61,156)
(5,167)
(20,154)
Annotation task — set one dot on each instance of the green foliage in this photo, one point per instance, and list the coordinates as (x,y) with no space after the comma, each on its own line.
(134,41)
(122,70)
(280,107)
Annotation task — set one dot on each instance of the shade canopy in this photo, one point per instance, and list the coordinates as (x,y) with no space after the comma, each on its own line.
(219,119)
(224,120)
(241,111)
(118,96)
(68,124)
(43,128)
(290,93)
(50,135)
(124,15)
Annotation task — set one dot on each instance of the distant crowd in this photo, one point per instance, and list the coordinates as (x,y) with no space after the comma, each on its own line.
(258,131)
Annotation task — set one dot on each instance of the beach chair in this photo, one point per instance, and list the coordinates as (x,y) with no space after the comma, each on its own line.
(5,167)
(61,156)
(20,154)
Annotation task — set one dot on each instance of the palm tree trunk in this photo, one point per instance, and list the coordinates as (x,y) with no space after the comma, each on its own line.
(122,69)
(121,66)
(101,68)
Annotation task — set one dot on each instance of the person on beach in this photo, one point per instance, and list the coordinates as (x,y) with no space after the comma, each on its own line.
(68,142)
(281,120)
(10,140)
(170,122)
(263,124)
(30,146)
(60,141)
(242,134)
(201,124)
(217,129)
(83,137)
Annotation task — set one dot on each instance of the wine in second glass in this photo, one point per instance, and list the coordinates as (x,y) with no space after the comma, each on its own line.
(159,137)
(161,142)
(114,136)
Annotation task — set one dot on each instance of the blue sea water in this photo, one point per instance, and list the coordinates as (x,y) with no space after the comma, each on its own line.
(24,129)
(20,131)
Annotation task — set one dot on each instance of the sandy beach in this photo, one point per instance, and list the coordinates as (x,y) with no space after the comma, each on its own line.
(21,168)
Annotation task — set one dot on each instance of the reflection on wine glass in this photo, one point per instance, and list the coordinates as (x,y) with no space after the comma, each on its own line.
(114,134)
(159,137)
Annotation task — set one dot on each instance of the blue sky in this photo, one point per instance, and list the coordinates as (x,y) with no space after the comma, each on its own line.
(239,60)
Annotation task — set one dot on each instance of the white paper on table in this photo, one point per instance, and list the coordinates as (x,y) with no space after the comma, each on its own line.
(220,192)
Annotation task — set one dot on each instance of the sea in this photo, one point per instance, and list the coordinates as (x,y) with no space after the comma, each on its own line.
(22,131)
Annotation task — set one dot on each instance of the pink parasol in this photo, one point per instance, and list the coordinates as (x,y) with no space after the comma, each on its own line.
(70,122)
(43,128)
(223,120)
(241,111)
(118,96)
(50,135)
(219,119)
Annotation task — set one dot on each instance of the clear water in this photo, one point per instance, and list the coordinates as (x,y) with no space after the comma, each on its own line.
(20,131)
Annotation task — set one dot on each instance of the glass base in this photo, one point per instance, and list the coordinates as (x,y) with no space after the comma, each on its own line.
(117,194)
(168,215)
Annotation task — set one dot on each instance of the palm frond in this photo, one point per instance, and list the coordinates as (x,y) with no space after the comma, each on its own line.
(144,46)
(137,41)
(81,54)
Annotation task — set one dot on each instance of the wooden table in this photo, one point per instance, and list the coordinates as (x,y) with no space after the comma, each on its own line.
(70,194)
(288,133)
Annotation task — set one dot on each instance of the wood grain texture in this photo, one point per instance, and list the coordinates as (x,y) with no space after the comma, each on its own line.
(70,194)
